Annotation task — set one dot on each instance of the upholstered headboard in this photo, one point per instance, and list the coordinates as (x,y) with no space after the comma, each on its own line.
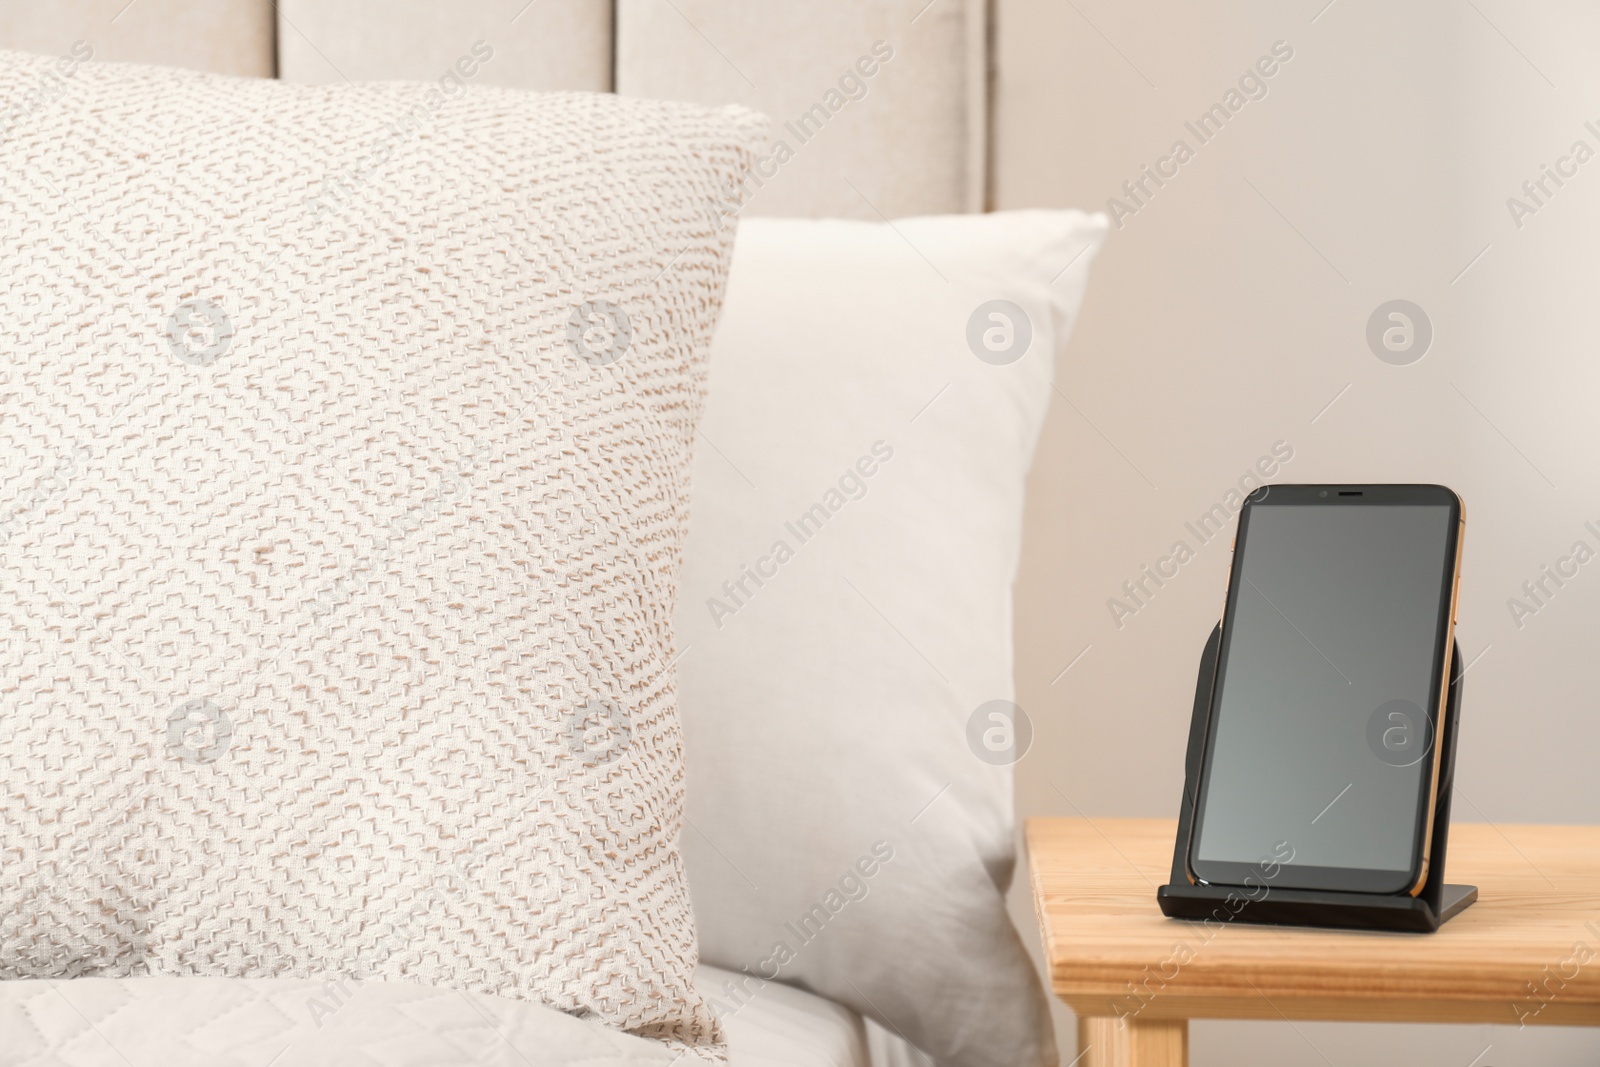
(879,107)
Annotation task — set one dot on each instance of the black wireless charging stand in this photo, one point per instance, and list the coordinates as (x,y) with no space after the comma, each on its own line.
(1423,913)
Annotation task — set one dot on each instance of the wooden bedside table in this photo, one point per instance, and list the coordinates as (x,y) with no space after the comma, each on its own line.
(1527,952)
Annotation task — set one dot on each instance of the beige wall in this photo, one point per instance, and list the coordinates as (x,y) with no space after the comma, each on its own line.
(1224,316)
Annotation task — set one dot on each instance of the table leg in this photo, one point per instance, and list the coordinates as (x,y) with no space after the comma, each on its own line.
(1104,1042)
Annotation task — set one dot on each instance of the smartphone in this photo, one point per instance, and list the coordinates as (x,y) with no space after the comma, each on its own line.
(1320,769)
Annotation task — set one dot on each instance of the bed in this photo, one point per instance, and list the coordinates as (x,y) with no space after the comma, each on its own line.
(816,72)
(241,1022)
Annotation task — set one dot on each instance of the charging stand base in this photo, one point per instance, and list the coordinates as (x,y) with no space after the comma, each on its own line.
(1423,913)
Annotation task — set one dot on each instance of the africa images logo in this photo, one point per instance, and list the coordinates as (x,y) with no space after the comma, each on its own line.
(1399,332)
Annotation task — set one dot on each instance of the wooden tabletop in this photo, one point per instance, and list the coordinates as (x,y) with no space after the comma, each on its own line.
(1527,951)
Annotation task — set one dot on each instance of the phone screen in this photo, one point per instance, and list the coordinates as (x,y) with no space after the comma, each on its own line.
(1319,762)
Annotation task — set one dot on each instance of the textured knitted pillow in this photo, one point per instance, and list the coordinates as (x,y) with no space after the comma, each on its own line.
(344,442)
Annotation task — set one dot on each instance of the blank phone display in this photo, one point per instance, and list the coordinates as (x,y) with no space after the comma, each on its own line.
(1321,727)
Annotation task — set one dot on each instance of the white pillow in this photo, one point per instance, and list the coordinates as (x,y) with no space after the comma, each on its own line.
(846,614)
(346,437)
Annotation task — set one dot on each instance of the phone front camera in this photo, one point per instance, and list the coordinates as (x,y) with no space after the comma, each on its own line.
(1323,493)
